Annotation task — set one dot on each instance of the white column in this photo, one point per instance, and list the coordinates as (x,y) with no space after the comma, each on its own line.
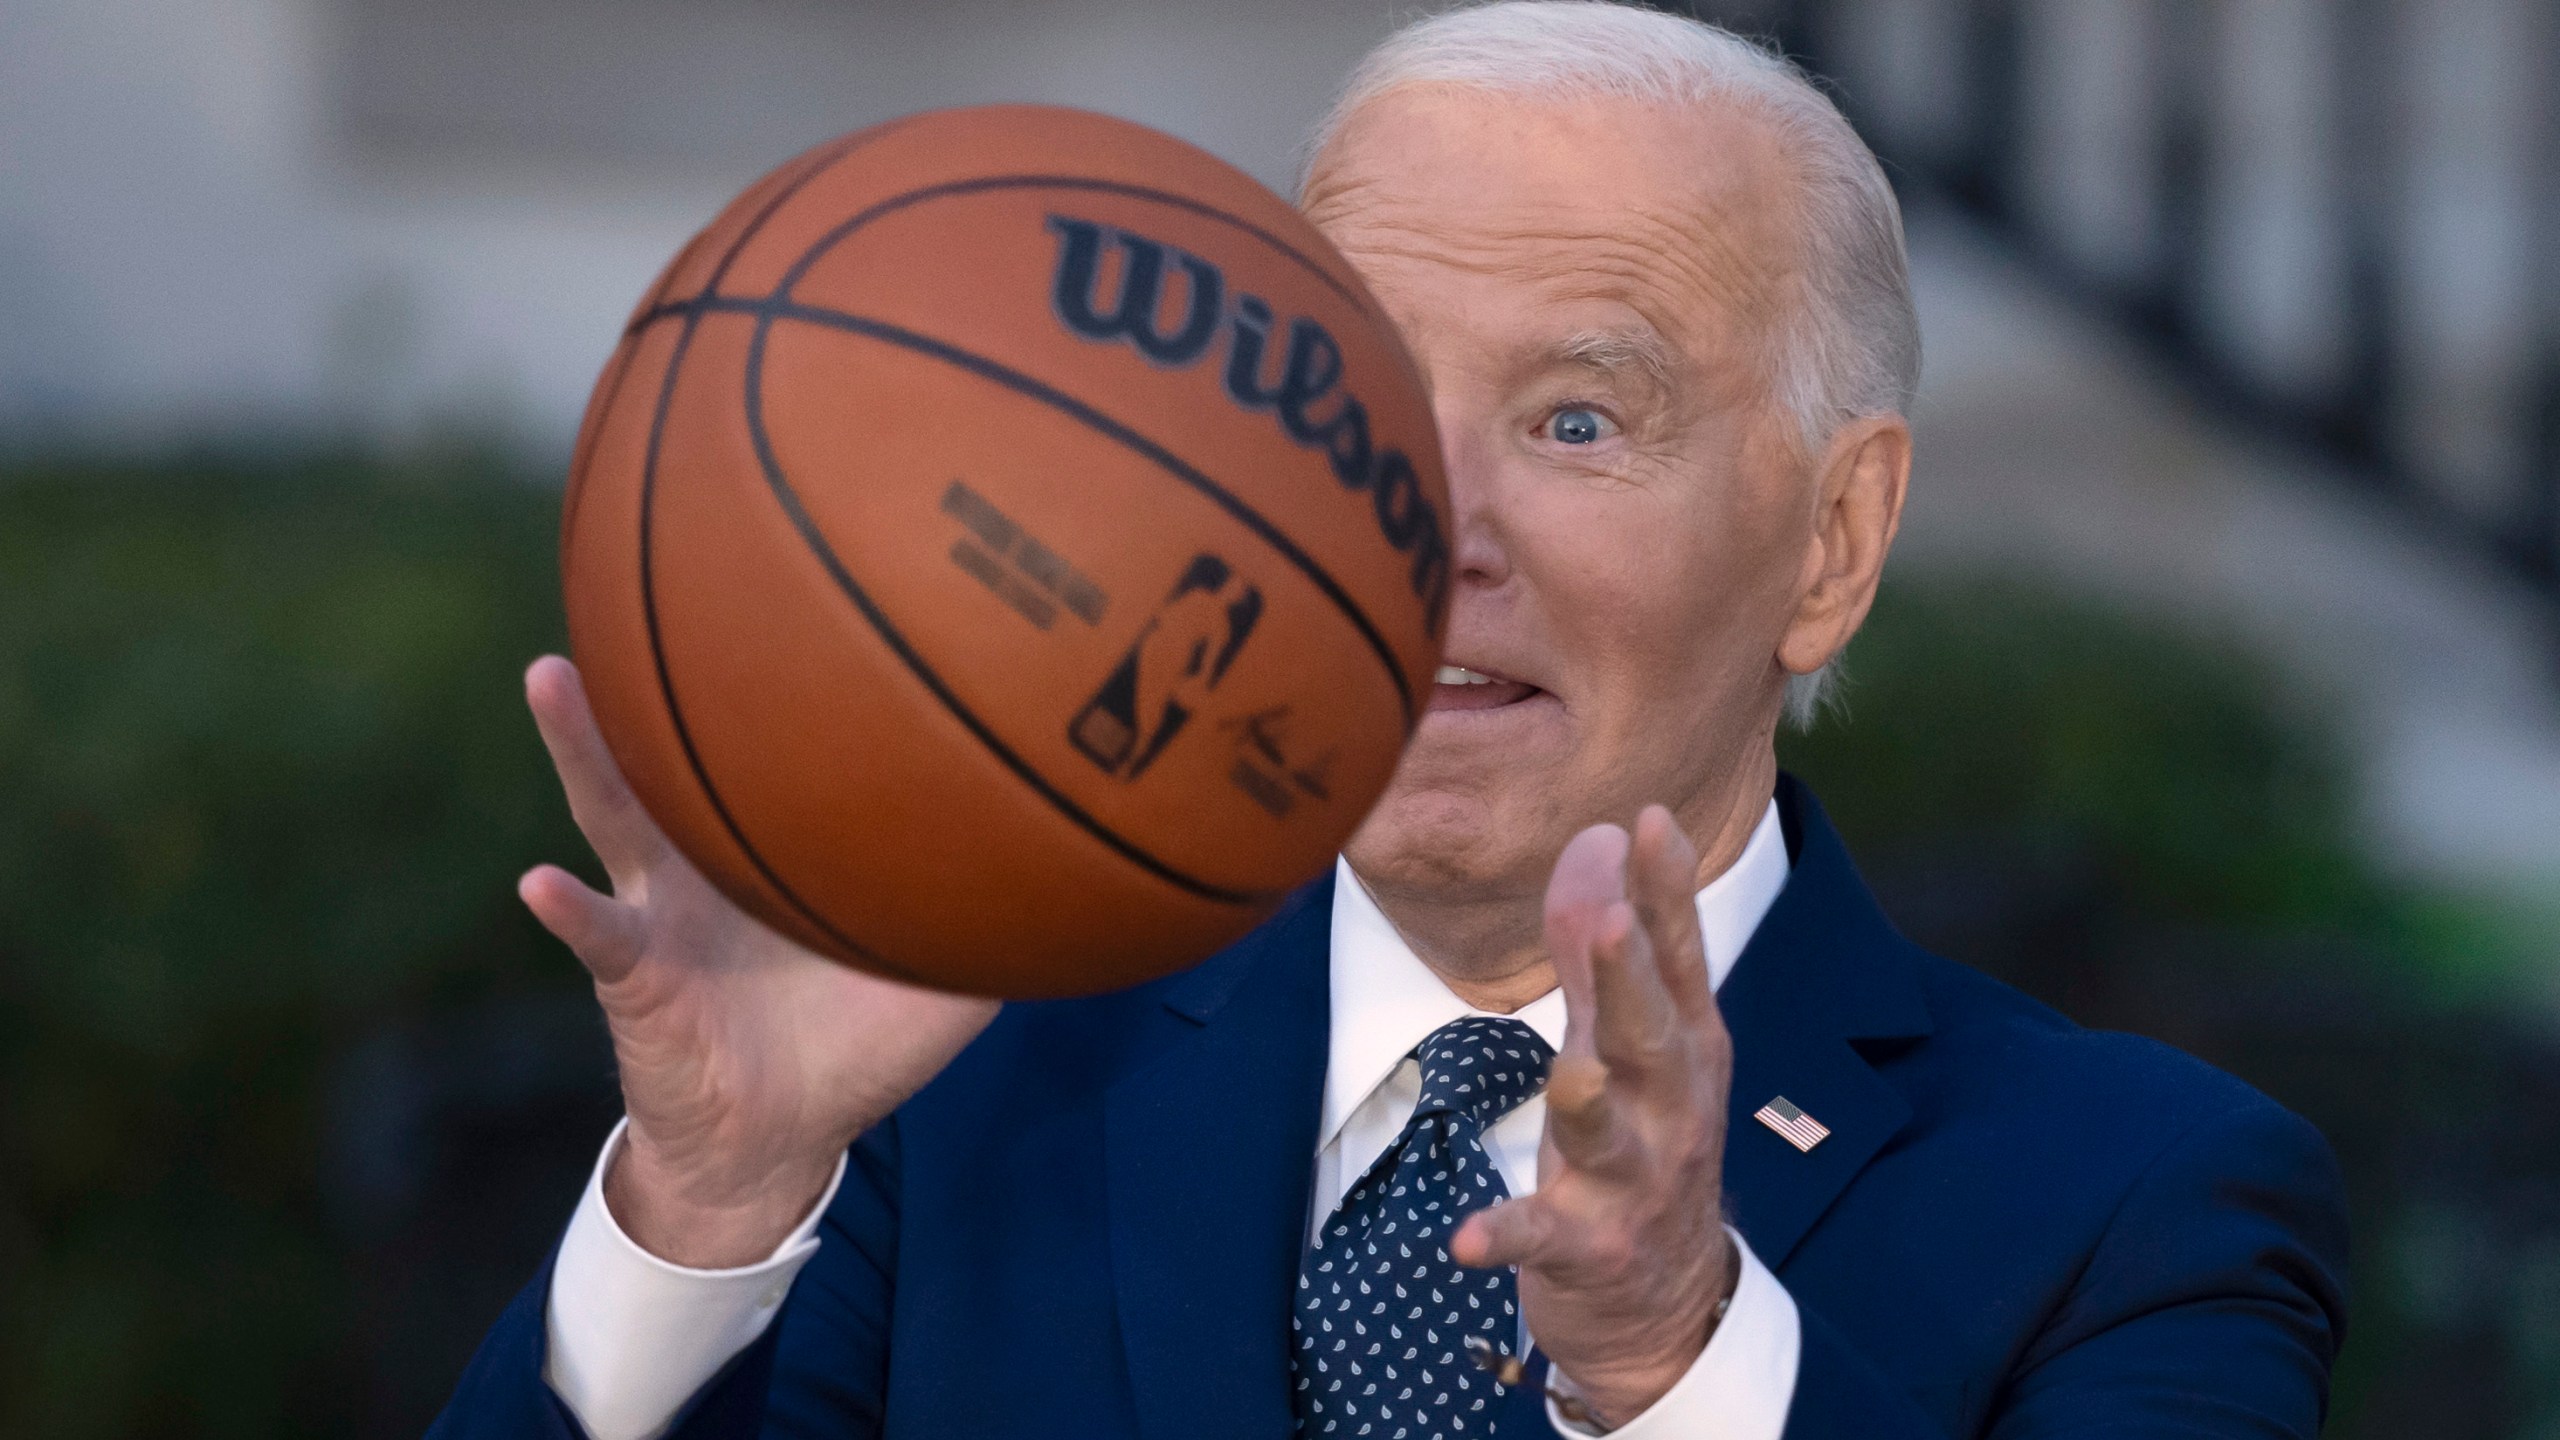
(2464,295)
(2271,290)
(2090,102)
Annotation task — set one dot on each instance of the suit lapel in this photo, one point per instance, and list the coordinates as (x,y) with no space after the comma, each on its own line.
(1210,1152)
(1824,971)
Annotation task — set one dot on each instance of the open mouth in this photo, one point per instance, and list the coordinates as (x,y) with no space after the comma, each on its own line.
(1460,688)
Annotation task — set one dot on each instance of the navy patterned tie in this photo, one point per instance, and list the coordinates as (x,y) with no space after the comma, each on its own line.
(1384,1315)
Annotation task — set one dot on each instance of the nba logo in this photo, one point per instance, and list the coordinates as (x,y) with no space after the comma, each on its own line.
(1170,669)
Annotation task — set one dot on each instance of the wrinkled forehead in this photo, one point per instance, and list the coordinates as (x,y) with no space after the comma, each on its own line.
(1684,213)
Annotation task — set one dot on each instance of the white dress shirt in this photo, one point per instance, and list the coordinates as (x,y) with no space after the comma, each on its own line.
(632,1336)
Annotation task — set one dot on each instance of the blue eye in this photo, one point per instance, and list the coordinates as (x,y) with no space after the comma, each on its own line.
(1578,426)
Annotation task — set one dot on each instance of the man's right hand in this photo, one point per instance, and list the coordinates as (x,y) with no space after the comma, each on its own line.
(748,1063)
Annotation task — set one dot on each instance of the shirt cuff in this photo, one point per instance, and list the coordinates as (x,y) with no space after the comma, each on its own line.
(631,1336)
(1744,1380)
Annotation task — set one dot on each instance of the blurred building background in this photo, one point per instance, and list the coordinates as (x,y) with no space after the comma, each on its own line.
(2217,691)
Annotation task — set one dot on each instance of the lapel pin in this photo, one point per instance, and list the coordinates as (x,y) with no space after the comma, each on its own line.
(1793,1125)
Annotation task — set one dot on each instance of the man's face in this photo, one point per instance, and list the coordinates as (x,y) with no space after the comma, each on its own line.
(1589,289)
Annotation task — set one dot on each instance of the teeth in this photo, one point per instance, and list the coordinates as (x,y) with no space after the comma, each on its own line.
(1460,675)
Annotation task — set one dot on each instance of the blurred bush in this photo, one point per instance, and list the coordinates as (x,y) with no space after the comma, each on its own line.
(265,783)
(292,1096)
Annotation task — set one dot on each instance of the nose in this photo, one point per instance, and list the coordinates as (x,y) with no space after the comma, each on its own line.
(1480,560)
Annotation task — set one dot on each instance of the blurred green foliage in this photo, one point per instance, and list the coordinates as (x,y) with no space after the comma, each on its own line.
(1986,716)
(1987,708)
(265,783)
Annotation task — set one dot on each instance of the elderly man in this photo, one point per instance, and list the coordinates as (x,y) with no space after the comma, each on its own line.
(1785,1174)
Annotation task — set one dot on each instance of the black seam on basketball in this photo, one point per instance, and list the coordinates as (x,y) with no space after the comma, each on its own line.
(817,164)
(897,642)
(657,649)
(825,162)
(628,349)
(1093,419)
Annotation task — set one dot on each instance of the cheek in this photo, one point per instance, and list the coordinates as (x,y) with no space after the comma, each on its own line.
(1629,581)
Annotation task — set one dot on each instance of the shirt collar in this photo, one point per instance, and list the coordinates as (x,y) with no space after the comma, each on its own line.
(1386,1000)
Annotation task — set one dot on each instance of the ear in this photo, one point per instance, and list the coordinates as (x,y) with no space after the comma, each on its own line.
(1859,487)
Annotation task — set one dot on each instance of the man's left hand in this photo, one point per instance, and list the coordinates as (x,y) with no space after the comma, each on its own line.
(1623,1256)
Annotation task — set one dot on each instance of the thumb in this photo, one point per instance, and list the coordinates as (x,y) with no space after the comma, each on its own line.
(1508,1232)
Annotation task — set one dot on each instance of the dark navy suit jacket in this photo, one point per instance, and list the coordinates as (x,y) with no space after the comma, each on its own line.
(1090,1224)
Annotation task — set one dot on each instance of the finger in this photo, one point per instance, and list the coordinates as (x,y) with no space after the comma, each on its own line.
(1615,1005)
(1587,880)
(1584,1121)
(608,814)
(1636,1030)
(605,934)
(1508,1232)
(1662,874)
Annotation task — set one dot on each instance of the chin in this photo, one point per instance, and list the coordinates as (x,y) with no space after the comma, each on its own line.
(1439,842)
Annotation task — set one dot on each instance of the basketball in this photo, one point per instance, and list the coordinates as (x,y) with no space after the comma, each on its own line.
(1007,551)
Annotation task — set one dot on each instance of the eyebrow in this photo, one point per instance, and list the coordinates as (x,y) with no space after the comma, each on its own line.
(1639,351)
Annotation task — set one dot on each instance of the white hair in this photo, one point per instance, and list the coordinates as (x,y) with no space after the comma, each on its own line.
(1850,350)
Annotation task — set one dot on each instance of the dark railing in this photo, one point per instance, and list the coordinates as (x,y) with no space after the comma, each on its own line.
(2328,216)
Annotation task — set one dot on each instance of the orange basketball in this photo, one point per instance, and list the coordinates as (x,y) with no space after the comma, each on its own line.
(1007,551)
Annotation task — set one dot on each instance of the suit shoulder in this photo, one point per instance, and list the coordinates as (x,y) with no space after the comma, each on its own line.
(2017,1050)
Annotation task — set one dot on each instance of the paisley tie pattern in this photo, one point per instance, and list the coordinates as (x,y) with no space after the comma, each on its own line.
(1384,1315)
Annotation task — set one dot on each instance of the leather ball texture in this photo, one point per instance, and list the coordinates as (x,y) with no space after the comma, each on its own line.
(1007,551)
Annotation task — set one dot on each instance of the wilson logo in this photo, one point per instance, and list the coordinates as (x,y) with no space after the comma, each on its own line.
(1173,307)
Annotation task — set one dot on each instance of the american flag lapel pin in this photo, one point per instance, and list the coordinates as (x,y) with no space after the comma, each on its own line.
(1793,1125)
